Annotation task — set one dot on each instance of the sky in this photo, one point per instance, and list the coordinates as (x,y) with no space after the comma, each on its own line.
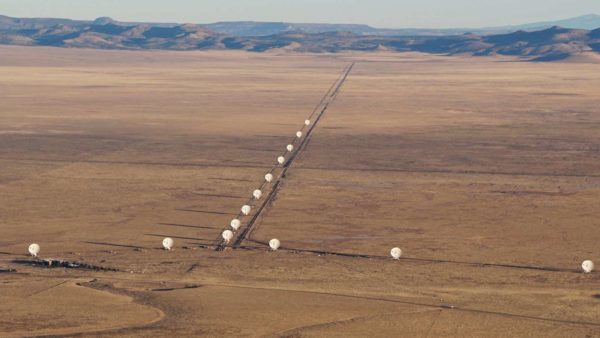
(377,13)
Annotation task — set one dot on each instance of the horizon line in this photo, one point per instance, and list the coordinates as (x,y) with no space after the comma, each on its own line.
(304,23)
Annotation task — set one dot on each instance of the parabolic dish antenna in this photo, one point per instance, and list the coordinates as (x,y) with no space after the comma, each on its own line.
(269,177)
(227,235)
(34,249)
(167,243)
(236,224)
(396,253)
(587,266)
(274,244)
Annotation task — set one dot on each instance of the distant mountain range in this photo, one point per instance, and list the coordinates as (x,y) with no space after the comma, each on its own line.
(252,28)
(535,42)
(589,22)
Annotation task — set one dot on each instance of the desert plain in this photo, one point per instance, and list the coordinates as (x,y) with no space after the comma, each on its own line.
(485,171)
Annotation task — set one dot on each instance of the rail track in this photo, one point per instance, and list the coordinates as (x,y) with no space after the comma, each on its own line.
(299,144)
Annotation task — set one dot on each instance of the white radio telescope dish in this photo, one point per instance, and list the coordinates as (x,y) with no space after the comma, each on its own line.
(274,244)
(587,266)
(298,134)
(246,210)
(34,249)
(269,177)
(280,159)
(290,148)
(236,224)
(227,235)
(257,194)
(307,122)
(396,253)
(168,243)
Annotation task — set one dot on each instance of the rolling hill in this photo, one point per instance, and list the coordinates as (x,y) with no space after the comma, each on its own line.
(253,28)
(554,43)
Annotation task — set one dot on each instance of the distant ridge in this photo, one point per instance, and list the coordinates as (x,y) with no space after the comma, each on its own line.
(548,44)
(256,28)
(253,28)
(589,22)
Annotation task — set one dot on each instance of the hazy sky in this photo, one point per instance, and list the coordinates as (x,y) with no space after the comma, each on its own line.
(379,13)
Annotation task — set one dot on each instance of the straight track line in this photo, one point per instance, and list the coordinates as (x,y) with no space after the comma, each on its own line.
(318,111)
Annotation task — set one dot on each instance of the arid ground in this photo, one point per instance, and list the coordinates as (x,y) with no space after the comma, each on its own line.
(485,171)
